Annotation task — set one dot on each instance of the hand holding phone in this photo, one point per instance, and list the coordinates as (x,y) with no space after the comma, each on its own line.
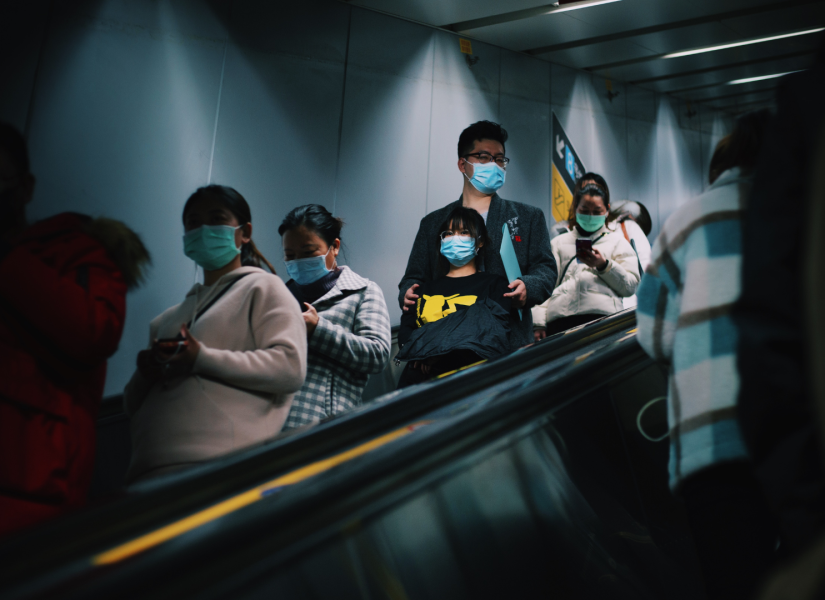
(171,344)
(176,355)
(583,246)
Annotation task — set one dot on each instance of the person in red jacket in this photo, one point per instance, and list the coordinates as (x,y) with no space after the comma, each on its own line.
(63,285)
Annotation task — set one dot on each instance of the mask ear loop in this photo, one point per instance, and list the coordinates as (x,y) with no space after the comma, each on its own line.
(334,259)
(467,162)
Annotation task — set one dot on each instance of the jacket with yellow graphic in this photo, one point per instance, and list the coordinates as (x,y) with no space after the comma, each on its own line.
(440,312)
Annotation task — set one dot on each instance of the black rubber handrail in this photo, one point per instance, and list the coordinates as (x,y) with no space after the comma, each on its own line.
(154,504)
(306,514)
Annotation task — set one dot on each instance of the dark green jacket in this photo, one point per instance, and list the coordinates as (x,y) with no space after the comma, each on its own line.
(531,241)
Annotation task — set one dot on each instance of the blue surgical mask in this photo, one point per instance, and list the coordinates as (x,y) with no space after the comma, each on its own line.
(211,246)
(488,178)
(459,250)
(590,223)
(308,270)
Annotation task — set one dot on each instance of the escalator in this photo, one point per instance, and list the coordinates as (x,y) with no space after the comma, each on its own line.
(534,475)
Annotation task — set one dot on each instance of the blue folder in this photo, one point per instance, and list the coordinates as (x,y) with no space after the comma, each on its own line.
(508,257)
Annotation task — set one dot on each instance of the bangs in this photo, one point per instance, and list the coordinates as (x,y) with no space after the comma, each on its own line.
(457,224)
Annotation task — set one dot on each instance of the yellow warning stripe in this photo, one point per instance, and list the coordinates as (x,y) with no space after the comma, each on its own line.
(461,369)
(221,509)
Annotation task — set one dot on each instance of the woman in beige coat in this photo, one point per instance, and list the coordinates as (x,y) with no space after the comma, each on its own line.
(224,364)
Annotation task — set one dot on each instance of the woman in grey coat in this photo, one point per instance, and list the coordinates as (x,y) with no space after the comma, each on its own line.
(348,326)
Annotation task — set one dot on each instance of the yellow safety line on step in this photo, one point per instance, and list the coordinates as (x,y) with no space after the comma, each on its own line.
(222,509)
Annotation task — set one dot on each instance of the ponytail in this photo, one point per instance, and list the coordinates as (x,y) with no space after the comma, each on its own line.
(252,257)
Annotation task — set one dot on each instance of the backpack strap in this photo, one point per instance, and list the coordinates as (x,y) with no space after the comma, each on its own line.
(638,260)
(627,237)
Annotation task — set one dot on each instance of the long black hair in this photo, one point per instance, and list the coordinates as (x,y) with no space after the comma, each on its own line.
(459,218)
(232,201)
(315,218)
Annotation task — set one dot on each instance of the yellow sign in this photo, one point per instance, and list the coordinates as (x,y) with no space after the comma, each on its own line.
(562,196)
(466,46)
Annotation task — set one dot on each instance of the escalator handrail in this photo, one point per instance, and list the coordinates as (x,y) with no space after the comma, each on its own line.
(85,533)
(316,508)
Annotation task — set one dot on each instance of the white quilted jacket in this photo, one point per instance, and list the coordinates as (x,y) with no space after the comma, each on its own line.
(583,290)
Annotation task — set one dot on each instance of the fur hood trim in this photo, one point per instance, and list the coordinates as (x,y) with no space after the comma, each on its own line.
(123,246)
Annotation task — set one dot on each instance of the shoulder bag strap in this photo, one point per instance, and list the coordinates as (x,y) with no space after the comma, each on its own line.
(217,297)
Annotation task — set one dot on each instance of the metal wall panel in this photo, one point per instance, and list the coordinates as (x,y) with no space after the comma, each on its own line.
(525,114)
(277,137)
(609,153)
(462,94)
(315,29)
(569,87)
(382,180)
(679,161)
(641,104)
(642,169)
(122,126)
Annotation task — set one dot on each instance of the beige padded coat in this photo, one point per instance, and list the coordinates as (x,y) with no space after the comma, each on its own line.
(584,290)
(252,360)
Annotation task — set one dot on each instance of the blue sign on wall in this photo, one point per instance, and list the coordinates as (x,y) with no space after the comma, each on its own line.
(570,162)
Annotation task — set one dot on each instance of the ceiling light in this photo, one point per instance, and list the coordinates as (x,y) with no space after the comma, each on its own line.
(745,43)
(578,5)
(751,79)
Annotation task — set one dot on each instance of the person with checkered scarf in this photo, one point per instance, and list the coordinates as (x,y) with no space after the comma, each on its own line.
(347,322)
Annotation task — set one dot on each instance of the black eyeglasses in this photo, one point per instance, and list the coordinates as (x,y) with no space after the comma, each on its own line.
(486,157)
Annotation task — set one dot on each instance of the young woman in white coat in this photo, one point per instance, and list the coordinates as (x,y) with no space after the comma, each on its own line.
(597,266)
(223,365)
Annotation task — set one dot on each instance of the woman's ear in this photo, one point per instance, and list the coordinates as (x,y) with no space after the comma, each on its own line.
(336,247)
(246,233)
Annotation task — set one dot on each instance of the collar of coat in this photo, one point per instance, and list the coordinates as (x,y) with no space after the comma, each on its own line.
(604,229)
(223,281)
(492,212)
(348,281)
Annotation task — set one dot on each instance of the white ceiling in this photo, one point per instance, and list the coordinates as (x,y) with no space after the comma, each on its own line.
(668,26)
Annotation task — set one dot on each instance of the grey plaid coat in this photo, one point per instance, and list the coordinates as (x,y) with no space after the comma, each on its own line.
(352,340)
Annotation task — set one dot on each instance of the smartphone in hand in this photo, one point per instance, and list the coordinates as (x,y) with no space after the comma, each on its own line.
(583,245)
(171,344)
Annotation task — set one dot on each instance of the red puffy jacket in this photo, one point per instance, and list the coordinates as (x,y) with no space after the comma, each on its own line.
(62,307)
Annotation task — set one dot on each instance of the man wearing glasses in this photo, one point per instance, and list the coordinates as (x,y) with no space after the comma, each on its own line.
(483,166)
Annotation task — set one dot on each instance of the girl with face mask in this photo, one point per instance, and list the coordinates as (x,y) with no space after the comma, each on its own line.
(597,266)
(223,365)
(461,317)
(347,325)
